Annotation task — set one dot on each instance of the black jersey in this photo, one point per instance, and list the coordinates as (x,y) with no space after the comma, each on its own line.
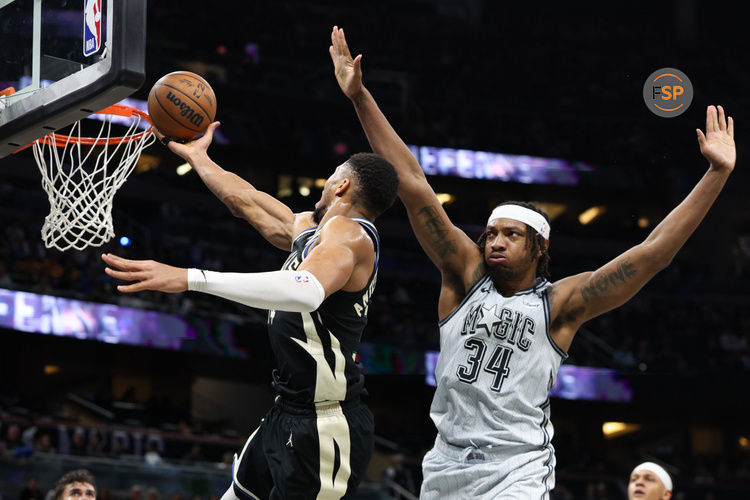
(316,352)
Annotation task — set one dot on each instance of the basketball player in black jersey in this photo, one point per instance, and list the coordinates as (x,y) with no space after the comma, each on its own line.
(317,440)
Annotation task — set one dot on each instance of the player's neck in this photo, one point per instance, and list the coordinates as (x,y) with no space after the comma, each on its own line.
(343,208)
(509,286)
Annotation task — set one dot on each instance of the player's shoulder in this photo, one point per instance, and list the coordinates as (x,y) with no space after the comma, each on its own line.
(561,296)
(344,231)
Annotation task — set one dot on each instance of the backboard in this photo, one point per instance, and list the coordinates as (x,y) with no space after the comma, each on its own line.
(66,59)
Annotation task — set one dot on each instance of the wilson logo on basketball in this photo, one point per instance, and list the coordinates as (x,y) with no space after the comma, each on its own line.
(185,110)
(181,105)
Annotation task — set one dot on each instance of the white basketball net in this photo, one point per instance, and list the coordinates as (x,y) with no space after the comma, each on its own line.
(80,195)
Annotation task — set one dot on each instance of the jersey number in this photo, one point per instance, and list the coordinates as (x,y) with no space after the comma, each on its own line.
(496,365)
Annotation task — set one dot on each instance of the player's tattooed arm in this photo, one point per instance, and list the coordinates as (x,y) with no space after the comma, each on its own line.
(613,284)
(449,248)
(438,231)
(596,287)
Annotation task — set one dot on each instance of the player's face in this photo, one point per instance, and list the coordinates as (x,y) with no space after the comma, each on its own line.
(329,193)
(645,485)
(505,251)
(79,491)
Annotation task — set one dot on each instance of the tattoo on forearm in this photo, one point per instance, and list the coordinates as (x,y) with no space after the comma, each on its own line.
(434,224)
(606,282)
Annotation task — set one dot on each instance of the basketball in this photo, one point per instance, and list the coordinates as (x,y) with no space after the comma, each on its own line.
(182,105)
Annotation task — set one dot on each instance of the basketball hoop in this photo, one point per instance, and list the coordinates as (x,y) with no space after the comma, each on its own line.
(81,184)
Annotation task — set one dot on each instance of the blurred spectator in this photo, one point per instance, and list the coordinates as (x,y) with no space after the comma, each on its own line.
(44,444)
(12,440)
(397,478)
(152,457)
(195,454)
(135,492)
(31,491)
(117,449)
(95,445)
(561,493)
(13,446)
(78,445)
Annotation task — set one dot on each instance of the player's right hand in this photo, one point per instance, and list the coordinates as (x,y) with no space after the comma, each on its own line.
(190,149)
(348,71)
(146,275)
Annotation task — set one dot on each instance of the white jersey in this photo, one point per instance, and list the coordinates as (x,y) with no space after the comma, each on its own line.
(496,367)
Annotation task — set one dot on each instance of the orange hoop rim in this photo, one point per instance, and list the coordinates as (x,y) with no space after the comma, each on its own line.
(61,140)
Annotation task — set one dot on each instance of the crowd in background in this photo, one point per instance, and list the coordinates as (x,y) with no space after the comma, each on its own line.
(691,320)
(664,328)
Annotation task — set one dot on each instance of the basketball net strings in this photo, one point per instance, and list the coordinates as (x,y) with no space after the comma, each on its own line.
(81,200)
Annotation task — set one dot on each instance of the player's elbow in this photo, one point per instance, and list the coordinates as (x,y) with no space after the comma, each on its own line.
(659,258)
(308,292)
(237,205)
(308,306)
(664,262)
(663,259)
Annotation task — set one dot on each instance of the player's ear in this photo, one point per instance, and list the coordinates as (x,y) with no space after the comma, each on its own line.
(543,246)
(343,186)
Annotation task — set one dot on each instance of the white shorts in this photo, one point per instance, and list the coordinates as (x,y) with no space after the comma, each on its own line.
(522,473)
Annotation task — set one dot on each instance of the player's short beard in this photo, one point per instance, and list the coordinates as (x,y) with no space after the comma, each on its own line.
(319,213)
(500,274)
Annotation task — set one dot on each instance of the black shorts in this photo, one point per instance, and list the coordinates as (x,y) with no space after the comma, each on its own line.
(299,452)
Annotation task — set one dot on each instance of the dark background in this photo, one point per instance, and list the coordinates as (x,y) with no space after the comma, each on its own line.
(557,80)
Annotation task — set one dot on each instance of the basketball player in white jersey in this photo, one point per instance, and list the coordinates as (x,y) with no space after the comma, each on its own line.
(317,439)
(649,481)
(504,329)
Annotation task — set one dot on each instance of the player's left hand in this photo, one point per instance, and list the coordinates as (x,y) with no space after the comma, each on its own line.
(348,71)
(147,274)
(717,145)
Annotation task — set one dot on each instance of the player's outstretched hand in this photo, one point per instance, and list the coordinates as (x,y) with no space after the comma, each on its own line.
(717,145)
(189,149)
(348,71)
(147,275)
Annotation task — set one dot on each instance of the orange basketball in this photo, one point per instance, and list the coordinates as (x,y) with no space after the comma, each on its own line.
(182,105)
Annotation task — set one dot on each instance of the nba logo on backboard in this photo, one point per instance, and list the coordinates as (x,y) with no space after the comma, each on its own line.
(92,27)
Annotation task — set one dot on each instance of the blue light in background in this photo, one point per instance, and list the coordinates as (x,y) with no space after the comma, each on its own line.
(125,241)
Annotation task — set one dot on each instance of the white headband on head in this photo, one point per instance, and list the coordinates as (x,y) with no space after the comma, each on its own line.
(521,214)
(658,470)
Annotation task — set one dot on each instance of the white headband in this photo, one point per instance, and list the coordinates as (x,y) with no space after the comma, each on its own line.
(521,214)
(658,470)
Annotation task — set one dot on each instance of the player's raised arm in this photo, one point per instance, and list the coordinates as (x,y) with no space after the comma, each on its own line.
(273,219)
(579,298)
(446,245)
